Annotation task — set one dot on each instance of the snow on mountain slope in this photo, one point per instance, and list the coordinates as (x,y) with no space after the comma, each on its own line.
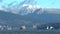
(24,9)
(27,9)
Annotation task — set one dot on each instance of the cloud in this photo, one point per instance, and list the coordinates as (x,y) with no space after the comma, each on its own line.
(1,0)
(53,10)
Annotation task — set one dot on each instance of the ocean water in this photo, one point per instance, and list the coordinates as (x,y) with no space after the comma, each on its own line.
(31,32)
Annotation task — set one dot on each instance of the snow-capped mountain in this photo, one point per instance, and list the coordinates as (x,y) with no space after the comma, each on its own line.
(27,9)
(24,9)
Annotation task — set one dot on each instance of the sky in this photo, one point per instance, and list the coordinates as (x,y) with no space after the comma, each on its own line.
(41,3)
